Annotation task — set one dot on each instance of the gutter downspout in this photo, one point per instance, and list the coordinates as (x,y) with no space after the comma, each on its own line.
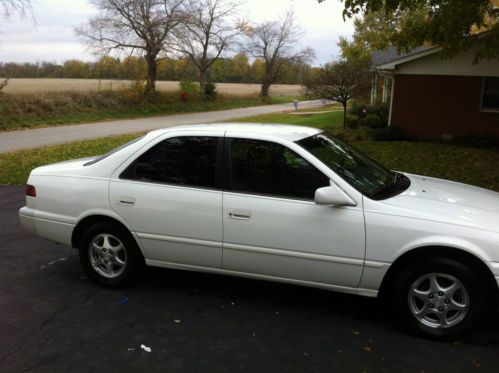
(389,75)
(374,87)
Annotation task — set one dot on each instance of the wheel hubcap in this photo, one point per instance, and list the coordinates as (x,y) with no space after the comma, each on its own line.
(438,300)
(107,255)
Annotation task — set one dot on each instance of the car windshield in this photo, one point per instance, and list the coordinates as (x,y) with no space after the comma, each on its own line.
(364,174)
(101,157)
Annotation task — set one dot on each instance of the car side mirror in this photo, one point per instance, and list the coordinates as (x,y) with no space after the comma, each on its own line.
(333,196)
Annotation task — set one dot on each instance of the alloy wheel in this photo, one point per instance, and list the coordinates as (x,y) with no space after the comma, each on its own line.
(438,300)
(107,255)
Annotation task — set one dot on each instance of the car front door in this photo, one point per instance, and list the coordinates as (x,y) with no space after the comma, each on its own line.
(169,196)
(272,227)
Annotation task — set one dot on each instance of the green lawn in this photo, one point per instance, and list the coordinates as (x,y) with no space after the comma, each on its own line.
(329,107)
(16,166)
(331,121)
(454,162)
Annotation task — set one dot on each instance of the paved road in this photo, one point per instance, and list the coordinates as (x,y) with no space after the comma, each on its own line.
(35,138)
(52,318)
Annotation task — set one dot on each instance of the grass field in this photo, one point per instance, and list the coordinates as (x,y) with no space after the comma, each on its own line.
(57,85)
(454,162)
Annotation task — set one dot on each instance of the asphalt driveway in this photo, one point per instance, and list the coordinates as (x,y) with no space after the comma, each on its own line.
(52,318)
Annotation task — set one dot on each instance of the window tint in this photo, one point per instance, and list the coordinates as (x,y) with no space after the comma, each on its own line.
(490,98)
(189,161)
(358,170)
(263,167)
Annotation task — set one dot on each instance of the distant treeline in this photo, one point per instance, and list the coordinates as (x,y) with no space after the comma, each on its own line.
(237,69)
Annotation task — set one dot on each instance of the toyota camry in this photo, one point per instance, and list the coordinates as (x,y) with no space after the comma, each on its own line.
(278,203)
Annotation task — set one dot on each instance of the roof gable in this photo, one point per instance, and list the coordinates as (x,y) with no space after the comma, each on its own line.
(404,58)
(389,59)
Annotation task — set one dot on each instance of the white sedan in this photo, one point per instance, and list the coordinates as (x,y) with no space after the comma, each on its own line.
(280,203)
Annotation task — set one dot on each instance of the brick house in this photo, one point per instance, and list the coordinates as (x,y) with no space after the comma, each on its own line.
(441,98)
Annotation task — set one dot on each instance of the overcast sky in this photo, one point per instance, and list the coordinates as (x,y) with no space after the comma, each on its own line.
(52,37)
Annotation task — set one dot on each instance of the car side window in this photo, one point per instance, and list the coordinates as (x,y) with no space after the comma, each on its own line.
(267,168)
(186,160)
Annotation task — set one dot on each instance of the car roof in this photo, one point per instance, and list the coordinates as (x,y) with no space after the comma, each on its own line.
(281,131)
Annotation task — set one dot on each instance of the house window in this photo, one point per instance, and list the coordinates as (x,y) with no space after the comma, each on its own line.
(490,98)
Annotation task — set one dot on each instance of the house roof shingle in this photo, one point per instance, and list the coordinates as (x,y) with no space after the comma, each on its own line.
(383,56)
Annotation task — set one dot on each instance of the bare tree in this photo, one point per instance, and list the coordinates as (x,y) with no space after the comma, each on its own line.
(15,6)
(336,81)
(142,27)
(207,33)
(8,7)
(275,43)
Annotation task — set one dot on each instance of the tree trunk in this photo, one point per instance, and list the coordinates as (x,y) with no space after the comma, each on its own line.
(344,115)
(151,74)
(202,80)
(264,92)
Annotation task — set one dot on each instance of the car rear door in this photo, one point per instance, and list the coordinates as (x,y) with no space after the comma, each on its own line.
(168,194)
(272,227)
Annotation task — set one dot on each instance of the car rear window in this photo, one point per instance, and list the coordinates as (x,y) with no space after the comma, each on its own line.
(115,150)
(185,160)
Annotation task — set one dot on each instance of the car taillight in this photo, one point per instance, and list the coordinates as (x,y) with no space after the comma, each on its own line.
(30,191)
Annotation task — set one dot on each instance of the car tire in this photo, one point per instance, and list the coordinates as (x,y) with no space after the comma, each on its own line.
(109,254)
(439,298)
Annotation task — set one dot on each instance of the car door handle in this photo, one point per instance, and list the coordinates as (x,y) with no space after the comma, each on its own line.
(240,215)
(126,201)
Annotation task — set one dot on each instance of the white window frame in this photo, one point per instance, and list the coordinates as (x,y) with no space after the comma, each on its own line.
(485,109)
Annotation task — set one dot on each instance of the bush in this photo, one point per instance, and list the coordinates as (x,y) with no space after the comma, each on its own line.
(134,93)
(188,90)
(184,96)
(189,87)
(371,121)
(382,111)
(363,110)
(210,90)
(352,121)
(358,109)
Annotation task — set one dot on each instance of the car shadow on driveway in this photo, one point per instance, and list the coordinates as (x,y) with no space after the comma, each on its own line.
(309,302)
